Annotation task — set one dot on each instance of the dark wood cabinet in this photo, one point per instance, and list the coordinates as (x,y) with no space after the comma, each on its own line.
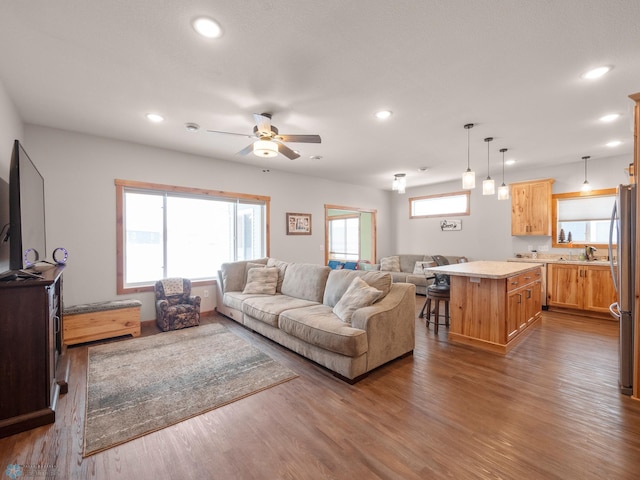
(31,351)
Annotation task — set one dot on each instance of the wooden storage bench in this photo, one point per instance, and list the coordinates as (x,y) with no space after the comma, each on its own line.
(98,321)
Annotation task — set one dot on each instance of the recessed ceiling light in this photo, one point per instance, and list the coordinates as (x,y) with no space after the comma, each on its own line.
(610,118)
(614,143)
(384,114)
(423,169)
(192,127)
(154,117)
(596,73)
(315,157)
(510,162)
(207,27)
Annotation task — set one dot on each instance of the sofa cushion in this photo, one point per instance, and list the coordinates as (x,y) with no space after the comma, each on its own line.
(319,326)
(234,274)
(408,261)
(305,281)
(282,267)
(267,308)
(358,295)
(420,265)
(262,280)
(390,264)
(339,281)
(235,299)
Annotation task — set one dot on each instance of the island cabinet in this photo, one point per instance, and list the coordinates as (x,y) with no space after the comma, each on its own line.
(580,287)
(531,207)
(493,305)
(30,351)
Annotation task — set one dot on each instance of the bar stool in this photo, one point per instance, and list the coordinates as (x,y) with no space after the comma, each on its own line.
(437,293)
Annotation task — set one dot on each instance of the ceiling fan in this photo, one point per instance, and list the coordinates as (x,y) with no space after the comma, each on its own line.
(270,141)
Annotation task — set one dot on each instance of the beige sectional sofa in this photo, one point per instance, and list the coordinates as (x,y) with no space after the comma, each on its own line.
(407,268)
(317,312)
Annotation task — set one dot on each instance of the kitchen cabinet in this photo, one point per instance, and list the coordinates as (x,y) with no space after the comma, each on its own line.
(531,207)
(524,302)
(580,287)
(493,305)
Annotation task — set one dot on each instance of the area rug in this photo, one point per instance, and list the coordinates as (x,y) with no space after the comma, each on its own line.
(138,386)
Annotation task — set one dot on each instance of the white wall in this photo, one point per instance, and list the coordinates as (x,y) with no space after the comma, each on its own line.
(79,172)
(486,232)
(11,128)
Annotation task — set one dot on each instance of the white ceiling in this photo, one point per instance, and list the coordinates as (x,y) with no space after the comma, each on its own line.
(325,67)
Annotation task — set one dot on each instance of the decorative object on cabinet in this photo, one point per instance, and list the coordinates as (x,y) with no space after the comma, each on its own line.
(488,185)
(503,190)
(531,207)
(468,177)
(586,187)
(298,223)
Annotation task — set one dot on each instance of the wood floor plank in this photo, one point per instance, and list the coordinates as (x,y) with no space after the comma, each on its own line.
(550,409)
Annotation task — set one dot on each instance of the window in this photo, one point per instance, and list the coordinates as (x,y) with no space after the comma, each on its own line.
(165,231)
(441,205)
(344,238)
(586,216)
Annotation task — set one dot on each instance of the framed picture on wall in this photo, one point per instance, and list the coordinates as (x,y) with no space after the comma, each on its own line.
(298,223)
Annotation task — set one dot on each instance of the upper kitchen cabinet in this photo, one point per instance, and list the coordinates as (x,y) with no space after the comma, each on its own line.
(531,207)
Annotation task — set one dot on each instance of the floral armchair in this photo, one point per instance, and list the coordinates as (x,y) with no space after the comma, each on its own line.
(175,306)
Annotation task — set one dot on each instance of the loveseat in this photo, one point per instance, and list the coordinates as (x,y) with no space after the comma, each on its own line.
(408,268)
(322,314)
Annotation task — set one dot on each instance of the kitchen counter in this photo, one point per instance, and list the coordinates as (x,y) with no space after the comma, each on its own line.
(558,260)
(487,269)
(493,305)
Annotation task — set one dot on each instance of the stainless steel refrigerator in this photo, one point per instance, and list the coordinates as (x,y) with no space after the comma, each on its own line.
(623,233)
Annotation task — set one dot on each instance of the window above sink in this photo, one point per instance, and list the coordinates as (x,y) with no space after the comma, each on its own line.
(587,216)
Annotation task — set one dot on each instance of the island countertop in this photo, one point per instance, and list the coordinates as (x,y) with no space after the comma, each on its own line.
(485,269)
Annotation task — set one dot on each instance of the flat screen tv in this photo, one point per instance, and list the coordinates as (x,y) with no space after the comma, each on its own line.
(4,225)
(27,233)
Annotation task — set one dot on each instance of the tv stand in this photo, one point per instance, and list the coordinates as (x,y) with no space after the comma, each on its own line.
(31,351)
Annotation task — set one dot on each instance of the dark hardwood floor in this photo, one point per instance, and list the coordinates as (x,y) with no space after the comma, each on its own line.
(550,409)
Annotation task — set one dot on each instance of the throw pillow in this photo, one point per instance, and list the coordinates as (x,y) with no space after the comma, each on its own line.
(358,295)
(390,264)
(262,280)
(420,266)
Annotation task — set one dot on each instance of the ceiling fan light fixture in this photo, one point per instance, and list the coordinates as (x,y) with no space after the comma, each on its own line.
(207,27)
(264,148)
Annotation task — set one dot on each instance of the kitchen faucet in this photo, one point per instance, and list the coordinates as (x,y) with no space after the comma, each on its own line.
(589,251)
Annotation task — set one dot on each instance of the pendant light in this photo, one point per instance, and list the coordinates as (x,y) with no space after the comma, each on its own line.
(503,190)
(399,183)
(488,185)
(468,177)
(585,186)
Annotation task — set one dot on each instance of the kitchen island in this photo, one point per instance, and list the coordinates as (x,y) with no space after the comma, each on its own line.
(493,305)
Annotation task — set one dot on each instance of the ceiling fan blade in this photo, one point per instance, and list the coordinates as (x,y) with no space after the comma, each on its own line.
(300,138)
(231,133)
(246,150)
(263,122)
(287,152)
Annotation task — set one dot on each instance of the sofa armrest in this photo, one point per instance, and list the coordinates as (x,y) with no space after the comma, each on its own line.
(390,324)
